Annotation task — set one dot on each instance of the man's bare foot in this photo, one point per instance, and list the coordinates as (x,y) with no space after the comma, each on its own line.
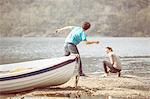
(105,75)
(82,74)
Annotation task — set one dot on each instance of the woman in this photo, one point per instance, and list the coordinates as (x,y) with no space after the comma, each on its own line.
(114,65)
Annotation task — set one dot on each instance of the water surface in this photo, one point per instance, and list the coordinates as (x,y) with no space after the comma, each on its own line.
(134,52)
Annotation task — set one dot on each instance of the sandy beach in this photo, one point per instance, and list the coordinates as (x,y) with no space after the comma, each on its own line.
(112,87)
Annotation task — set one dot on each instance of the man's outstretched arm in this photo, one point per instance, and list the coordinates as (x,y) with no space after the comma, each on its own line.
(64,28)
(91,42)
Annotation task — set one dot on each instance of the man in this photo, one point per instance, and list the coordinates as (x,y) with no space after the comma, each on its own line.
(76,36)
(114,65)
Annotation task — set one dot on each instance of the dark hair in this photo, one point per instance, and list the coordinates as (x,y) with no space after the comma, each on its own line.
(86,25)
(109,48)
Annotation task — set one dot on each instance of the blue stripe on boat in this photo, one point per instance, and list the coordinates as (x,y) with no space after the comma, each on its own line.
(38,72)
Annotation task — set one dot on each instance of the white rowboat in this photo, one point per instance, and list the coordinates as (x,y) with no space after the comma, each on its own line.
(23,76)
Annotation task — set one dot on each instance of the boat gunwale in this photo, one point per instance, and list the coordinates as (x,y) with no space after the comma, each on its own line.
(59,65)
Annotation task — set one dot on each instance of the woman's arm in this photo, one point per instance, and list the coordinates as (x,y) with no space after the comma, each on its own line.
(112,59)
(66,27)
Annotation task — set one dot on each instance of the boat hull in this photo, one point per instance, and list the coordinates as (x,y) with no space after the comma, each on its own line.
(50,76)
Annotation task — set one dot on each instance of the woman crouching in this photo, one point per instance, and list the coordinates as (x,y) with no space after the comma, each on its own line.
(114,66)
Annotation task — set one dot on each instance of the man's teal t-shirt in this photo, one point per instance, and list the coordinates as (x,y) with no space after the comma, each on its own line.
(76,36)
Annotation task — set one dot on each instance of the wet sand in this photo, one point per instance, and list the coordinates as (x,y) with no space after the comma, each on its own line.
(96,86)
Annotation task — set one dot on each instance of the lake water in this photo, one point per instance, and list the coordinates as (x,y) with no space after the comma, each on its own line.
(134,52)
(23,49)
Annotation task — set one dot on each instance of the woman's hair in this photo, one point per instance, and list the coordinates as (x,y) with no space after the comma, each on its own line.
(109,48)
(86,25)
